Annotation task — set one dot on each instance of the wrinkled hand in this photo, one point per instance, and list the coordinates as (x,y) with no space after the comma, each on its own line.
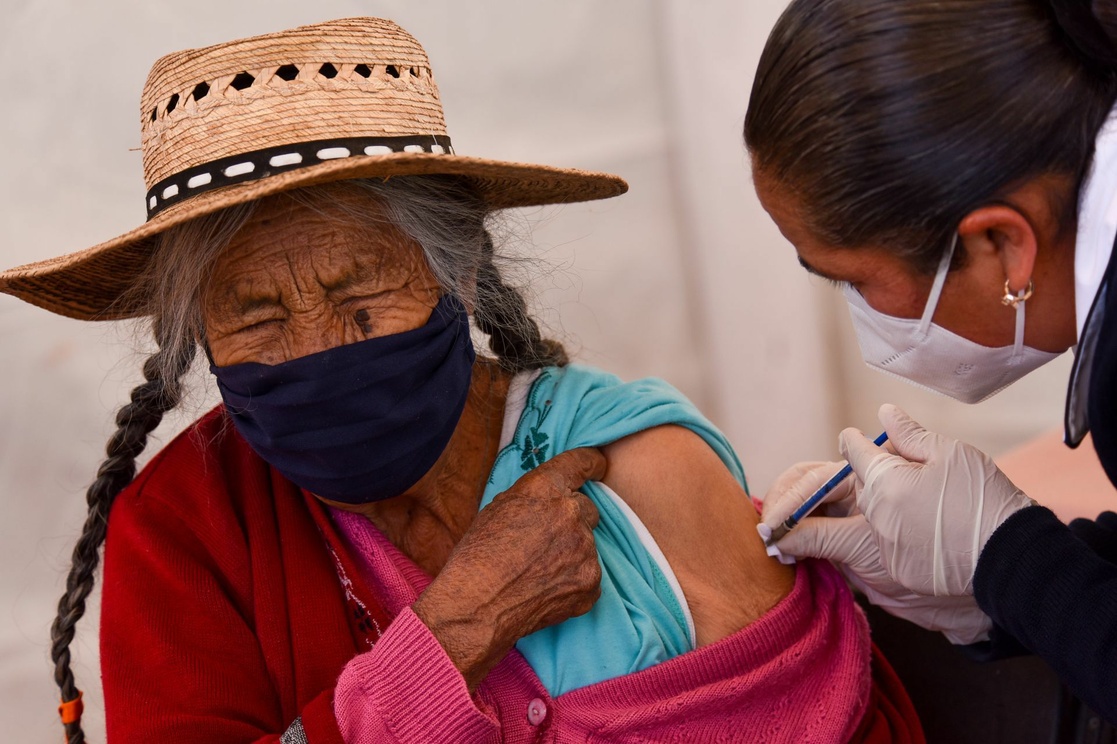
(838,531)
(528,561)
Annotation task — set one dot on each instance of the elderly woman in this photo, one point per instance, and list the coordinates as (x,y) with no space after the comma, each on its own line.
(381,536)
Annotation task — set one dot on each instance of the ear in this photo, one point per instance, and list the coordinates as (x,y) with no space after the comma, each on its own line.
(1001,233)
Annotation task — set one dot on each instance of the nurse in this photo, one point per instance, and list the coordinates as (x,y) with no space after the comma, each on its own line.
(952,166)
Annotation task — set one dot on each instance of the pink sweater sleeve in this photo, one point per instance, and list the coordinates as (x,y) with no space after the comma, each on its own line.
(406,689)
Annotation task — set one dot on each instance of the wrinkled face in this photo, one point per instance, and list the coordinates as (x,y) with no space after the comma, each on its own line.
(296,280)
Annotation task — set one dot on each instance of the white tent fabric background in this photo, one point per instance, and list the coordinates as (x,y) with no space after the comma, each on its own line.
(683,278)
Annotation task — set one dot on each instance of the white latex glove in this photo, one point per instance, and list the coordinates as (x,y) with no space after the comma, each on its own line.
(932,506)
(837,531)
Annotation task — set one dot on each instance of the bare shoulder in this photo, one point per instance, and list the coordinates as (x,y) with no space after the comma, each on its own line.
(704,524)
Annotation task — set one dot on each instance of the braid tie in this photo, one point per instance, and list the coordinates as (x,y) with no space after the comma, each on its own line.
(135,421)
(502,313)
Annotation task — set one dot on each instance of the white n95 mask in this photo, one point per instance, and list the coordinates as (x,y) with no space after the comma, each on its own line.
(934,358)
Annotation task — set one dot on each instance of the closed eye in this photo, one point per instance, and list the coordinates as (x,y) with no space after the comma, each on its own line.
(362,299)
(263,323)
(836,283)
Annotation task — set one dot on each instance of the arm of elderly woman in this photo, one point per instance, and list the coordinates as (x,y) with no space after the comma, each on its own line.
(529,559)
(703,522)
(533,547)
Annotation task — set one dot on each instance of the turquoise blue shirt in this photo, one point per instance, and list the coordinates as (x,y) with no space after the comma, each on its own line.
(638,621)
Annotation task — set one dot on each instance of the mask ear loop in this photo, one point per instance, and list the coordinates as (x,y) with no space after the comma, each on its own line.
(1019,345)
(936,288)
(1019,301)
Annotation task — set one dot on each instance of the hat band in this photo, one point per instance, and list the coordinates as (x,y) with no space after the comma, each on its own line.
(252,166)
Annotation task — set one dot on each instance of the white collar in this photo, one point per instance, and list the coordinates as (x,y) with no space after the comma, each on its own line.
(1097,221)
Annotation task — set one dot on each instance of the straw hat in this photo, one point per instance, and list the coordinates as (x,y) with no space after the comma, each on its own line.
(227,124)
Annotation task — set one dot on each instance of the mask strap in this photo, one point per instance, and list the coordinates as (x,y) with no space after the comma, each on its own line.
(1018,346)
(936,288)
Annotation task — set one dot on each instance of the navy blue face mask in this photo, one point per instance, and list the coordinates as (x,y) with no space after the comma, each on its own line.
(360,422)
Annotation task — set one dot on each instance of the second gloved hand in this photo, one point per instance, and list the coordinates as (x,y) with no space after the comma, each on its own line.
(932,506)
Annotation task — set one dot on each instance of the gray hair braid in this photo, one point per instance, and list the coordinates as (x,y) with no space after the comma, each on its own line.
(135,421)
(514,336)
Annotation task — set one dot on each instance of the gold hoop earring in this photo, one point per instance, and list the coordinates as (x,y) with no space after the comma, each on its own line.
(1012,300)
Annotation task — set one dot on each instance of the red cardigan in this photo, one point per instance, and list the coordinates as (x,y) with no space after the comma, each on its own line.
(212,551)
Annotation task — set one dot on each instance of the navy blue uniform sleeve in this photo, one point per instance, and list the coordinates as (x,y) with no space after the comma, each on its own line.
(1056,594)
(1100,534)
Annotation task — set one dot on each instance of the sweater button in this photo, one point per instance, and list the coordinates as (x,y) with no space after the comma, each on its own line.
(536,712)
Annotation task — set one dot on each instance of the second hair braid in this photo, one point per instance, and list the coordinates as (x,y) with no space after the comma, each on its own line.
(502,313)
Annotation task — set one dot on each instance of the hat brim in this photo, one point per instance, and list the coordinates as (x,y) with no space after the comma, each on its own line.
(90,284)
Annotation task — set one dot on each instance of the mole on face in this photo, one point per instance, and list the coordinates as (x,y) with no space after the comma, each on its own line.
(362,318)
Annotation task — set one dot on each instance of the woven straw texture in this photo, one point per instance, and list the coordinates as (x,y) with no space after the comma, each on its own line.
(357,77)
(272,110)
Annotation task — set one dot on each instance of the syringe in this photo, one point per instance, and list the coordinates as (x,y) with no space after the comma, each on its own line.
(809,505)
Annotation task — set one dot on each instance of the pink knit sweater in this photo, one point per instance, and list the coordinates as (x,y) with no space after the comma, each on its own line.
(801,673)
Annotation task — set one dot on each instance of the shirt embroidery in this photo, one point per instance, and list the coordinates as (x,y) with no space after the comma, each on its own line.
(533,451)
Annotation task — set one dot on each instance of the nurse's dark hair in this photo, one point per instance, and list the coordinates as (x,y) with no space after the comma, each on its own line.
(445,215)
(890,120)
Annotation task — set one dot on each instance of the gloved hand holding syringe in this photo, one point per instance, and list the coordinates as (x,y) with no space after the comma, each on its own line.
(883,528)
(772,536)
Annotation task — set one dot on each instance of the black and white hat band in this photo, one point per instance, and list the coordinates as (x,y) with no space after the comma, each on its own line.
(252,166)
